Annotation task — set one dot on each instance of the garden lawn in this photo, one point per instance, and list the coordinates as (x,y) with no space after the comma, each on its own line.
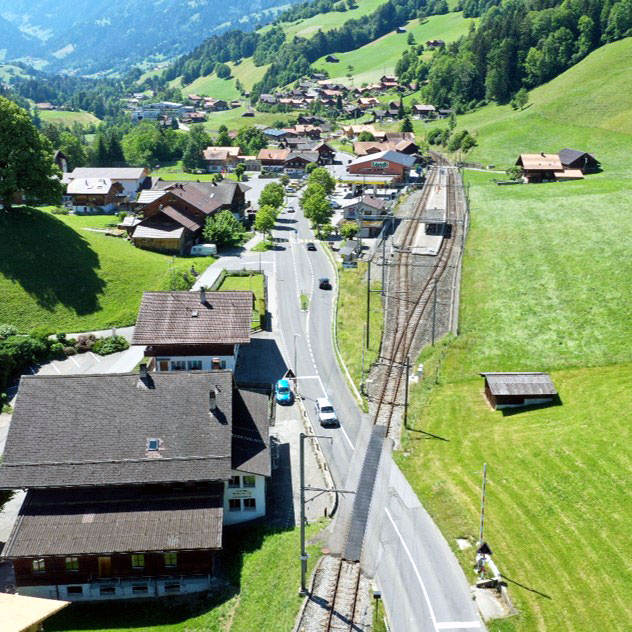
(253,283)
(352,317)
(558,501)
(61,117)
(380,56)
(60,276)
(263,570)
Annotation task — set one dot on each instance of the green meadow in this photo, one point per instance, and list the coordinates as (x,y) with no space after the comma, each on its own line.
(62,117)
(545,287)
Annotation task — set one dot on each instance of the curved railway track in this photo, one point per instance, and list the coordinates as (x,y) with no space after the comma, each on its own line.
(411,303)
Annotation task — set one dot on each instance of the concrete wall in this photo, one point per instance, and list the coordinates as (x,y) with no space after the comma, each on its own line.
(258,492)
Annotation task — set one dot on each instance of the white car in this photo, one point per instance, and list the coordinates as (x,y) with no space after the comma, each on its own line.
(334,204)
(325,412)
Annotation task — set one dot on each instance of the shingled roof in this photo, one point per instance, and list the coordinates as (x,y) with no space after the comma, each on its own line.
(172,318)
(251,432)
(87,430)
(520,383)
(116,520)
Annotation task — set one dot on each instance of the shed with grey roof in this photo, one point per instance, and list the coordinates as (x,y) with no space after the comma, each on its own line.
(507,390)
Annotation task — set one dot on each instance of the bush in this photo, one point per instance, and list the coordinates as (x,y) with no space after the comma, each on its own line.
(60,210)
(7,330)
(111,344)
(57,348)
(68,351)
(18,352)
(85,342)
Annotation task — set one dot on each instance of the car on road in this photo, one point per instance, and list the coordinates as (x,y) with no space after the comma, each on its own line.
(290,189)
(311,245)
(334,204)
(283,392)
(291,209)
(325,412)
(324,284)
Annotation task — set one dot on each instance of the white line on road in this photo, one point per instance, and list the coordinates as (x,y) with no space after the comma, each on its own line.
(95,357)
(54,367)
(347,437)
(415,569)
(308,377)
(461,625)
(77,363)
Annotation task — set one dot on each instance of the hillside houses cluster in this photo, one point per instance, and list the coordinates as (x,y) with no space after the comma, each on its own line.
(194,110)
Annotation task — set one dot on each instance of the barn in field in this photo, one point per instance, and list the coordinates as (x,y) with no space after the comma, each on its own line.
(582,160)
(510,390)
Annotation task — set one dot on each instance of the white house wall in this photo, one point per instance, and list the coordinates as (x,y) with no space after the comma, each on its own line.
(207,362)
(258,492)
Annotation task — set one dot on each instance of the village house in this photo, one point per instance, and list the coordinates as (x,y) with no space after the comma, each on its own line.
(387,163)
(273,159)
(219,159)
(353,131)
(332,59)
(134,507)
(540,167)
(424,111)
(435,43)
(154,111)
(297,161)
(510,390)
(214,105)
(364,148)
(174,213)
(95,195)
(186,331)
(370,211)
(582,160)
(132,179)
(193,117)
(368,102)
(326,153)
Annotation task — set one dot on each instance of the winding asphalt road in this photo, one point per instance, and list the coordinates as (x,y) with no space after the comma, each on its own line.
(422,584)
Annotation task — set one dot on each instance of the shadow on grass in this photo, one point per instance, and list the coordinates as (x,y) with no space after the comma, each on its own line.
(509,412)
(425,434)
(50,261)
(533,590)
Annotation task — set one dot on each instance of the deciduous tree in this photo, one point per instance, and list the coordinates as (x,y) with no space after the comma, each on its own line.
(223,229)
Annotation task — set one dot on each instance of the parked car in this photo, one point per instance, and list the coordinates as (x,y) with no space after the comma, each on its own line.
(290,189)
(334,204)
(325,412)
(203,250)
(324,284)
(291,209)
(311,245)
(283,392)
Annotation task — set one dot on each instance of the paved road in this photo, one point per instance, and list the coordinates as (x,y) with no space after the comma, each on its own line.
(423,585)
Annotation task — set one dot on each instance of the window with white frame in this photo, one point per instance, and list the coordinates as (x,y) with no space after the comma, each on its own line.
(250,504)
(249,480)
(39,565)
(234,504)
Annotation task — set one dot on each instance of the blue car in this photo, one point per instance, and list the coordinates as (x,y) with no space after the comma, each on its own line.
(283,392)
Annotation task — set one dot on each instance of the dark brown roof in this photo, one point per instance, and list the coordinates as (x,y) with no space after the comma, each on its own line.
(167,318)
(376,203)
(251,432)
(184,218)
(83,430)
(116,520)
(520,383)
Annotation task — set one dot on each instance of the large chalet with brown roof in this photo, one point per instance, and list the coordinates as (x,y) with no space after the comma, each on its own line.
(186,331)
(131,480)
(174,213)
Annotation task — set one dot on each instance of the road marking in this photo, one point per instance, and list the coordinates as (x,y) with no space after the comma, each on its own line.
(77,363)
(461,625)
(347,437)
(308,377)
(95,357)
(54,367)
(415,569)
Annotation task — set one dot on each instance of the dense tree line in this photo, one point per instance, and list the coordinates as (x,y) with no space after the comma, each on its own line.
(517,44)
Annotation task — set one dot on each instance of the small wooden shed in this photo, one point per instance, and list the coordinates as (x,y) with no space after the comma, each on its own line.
(510,390)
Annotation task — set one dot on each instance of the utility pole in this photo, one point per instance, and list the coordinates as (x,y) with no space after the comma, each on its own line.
(295,356)
(384,259)
(434,311)
(368,303)
(406,392)
(363,349)
(304,555)
(483,493)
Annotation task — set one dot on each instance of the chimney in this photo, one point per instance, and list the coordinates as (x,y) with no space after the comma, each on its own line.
(202,296)
(144,374)
(212,400)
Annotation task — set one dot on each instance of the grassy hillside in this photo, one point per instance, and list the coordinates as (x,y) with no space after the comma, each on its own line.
(59,275)
(327,21)
(379,57)
(67,118)
(587,107)
(545,287)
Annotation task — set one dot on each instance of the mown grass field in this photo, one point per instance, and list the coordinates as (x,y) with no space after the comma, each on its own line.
(58,275)
(61,117)
(352,317)
(264,575)
(545,287)
(379,57)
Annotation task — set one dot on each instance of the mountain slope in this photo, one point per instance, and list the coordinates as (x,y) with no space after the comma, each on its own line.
(14,43)
(97,35)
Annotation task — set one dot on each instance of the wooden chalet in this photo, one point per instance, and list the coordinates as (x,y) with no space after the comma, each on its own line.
(582,160)
(186,331)
(539,167)
(132,480)
(510,390)
(95,195)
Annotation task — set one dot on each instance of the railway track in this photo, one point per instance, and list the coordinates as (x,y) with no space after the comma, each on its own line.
(410,301)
